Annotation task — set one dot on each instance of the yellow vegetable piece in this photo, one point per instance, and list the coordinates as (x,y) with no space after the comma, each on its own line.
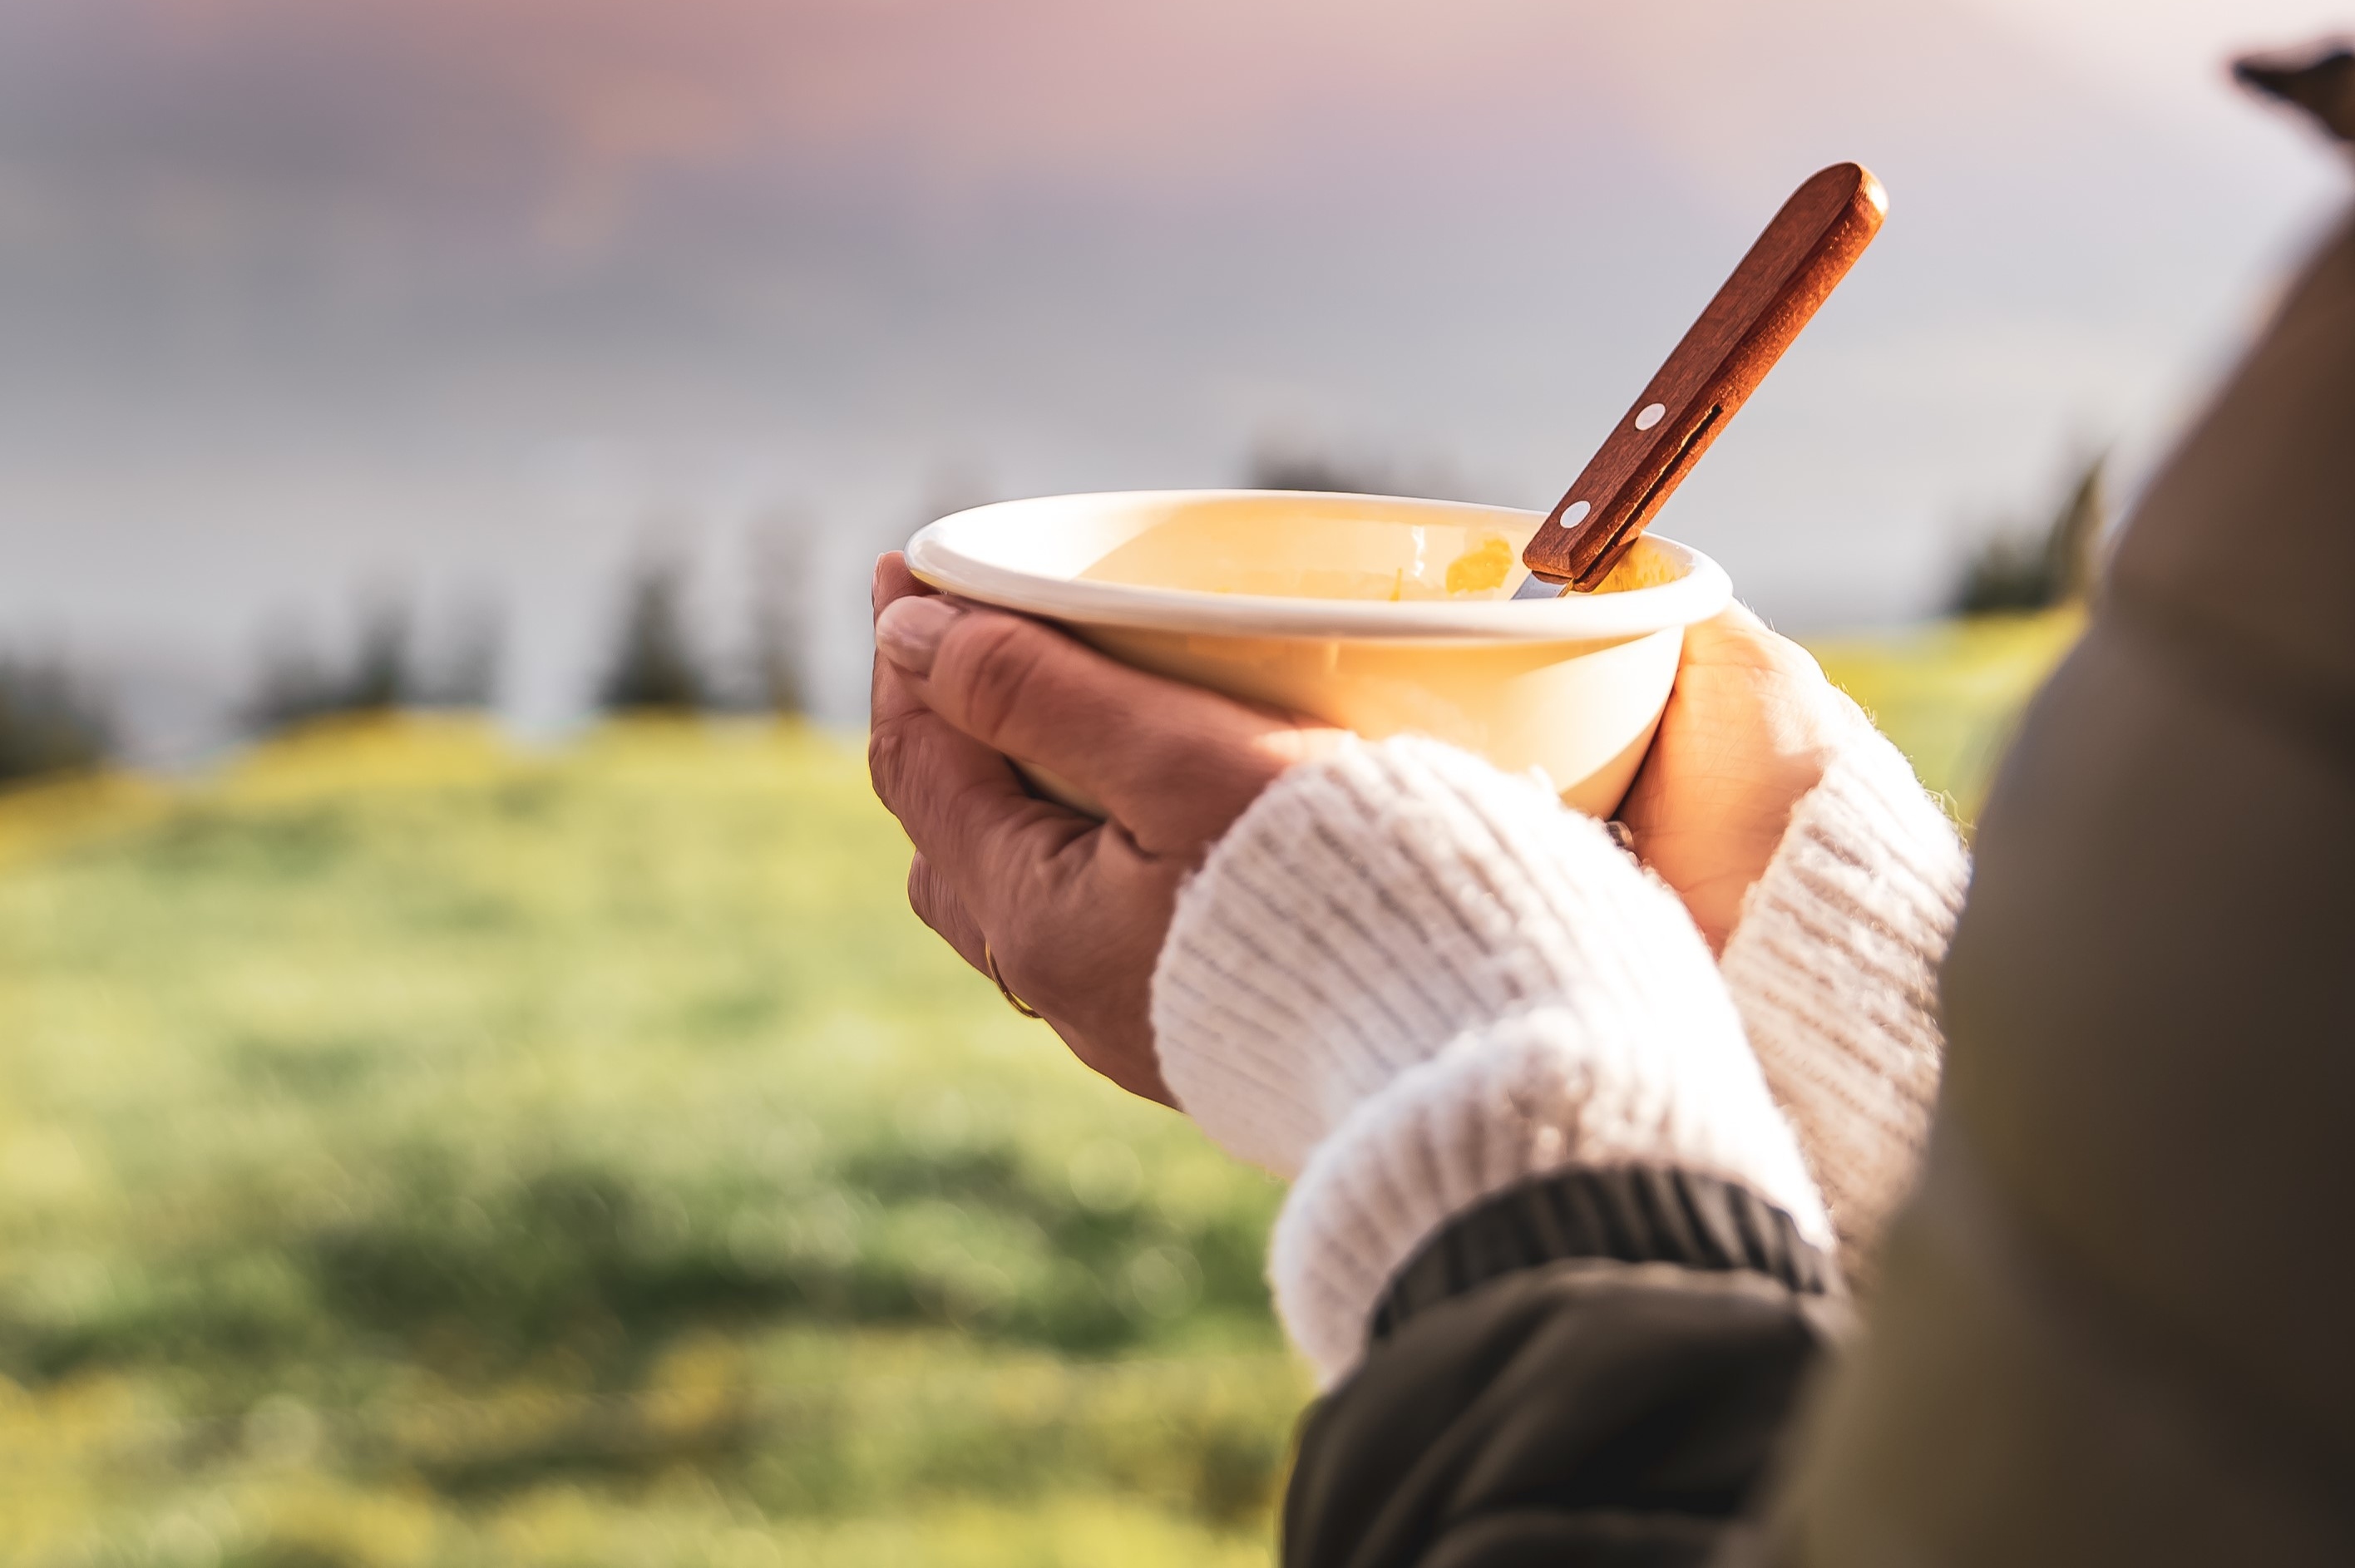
(1481,568)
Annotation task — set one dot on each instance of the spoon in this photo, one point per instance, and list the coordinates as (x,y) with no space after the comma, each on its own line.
(1790,270)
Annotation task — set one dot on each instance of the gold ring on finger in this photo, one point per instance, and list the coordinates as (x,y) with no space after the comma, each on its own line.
(989,962)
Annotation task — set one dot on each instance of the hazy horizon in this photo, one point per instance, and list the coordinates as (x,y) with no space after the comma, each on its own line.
(478,299)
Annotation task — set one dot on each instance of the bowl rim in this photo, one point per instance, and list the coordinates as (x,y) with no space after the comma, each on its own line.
(941,554)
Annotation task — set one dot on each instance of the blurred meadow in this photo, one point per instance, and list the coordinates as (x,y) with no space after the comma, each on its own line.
(416,1149)
(471,1089)
(413,1150)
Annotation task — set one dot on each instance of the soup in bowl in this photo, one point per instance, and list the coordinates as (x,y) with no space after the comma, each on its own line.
(1381,615)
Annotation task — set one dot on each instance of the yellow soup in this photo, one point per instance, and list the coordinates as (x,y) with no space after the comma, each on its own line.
(1269,548)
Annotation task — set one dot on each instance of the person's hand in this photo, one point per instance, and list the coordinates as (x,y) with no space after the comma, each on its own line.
(1750,727)
(1072,909)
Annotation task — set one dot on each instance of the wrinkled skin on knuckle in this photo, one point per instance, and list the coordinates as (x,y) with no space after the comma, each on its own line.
(1076,932)
(1072,942)
(889,749)
(975,838)
(1037,938)
(923,895)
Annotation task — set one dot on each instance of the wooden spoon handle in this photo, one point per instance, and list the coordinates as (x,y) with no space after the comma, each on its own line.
(1794,264)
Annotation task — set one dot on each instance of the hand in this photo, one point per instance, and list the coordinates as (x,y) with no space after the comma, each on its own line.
(1751,728)
(1073,909)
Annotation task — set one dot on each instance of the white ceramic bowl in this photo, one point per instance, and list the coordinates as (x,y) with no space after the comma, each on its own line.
(1572,686)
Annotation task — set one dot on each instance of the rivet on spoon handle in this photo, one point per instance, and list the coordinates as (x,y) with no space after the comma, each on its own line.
(1790,270)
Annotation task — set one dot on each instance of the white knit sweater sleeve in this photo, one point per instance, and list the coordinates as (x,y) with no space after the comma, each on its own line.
(1834,966)
(1410,981)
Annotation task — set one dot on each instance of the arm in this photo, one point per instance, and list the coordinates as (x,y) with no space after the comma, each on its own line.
(1834,969)
(1412,983)
(1810,857)
(1577,1410)
(1549,1240)
(1559,1086)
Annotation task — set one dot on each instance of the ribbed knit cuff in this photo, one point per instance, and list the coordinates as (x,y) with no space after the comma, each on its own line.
(1834,968)
(1537,1093)
(1414,981)
(1629,1213)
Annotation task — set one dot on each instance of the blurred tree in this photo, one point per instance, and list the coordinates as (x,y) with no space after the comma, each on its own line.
(1282,465)
(292,685)
(50,721)
(466,675)
(1273,469)
(655,668)
(780,620)
(381,678)
(2036,569)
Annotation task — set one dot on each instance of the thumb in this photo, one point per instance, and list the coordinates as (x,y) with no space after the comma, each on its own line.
(1172,763)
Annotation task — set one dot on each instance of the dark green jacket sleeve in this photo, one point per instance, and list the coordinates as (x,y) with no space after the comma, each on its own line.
(1596,1368)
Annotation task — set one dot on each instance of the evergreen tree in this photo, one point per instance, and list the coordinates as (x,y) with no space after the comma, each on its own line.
(654,669)
(467,673)
(781,630)
(2054,565)
(380,677)
(292,686)
(50,722)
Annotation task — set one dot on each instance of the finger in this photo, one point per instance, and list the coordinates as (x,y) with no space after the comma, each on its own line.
(937,904)
(1173,763)
(913,756)
(1736,620)
(894,579)
(963,806)
(1736,636)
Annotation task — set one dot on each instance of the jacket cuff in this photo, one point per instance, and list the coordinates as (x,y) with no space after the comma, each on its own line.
(1834,968)
(1634,1213)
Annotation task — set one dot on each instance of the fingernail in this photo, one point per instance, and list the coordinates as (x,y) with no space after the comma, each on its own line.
(910,629)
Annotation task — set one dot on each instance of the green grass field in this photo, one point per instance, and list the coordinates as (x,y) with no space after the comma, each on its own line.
(1950,693)
(418,1151)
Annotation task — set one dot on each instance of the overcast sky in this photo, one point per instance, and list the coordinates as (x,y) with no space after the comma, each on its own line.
(476,296)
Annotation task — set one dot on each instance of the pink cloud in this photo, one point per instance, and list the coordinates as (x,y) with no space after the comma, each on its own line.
(961,92)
